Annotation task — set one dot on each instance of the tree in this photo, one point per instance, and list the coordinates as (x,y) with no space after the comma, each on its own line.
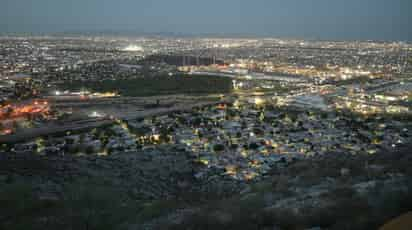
(253,146)
(82,137)
(164,134)
(89,150)
(218,147)
(197,121)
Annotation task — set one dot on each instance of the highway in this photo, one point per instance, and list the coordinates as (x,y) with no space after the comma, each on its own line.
(55,129)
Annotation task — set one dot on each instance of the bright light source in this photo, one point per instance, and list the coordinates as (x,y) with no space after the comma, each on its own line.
(259,101)
(133,48)
(156,137)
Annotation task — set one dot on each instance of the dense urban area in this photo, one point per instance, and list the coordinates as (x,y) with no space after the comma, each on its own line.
(203,133)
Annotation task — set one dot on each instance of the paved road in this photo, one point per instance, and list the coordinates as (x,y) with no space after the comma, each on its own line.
(54,129)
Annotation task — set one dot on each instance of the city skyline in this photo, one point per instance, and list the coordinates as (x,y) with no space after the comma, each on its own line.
(200,115)
(326,20)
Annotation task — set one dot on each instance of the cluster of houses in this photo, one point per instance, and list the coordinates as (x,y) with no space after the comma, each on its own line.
(100,141)
(246,140)
(242,140)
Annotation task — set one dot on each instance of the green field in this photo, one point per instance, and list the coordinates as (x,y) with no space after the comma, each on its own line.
(161,85)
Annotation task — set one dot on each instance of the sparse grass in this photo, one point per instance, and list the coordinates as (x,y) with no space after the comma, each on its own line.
(346,210)
(100,205)
(149,86)
(83,206)
(156,209)
(234,213)
(340,208)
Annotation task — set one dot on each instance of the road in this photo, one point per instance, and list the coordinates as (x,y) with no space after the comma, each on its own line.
(55,129)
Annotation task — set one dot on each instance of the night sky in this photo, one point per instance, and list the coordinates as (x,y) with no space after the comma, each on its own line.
(310,19)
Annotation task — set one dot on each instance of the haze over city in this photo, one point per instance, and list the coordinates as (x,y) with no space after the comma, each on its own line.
(320,19)
(198,115)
